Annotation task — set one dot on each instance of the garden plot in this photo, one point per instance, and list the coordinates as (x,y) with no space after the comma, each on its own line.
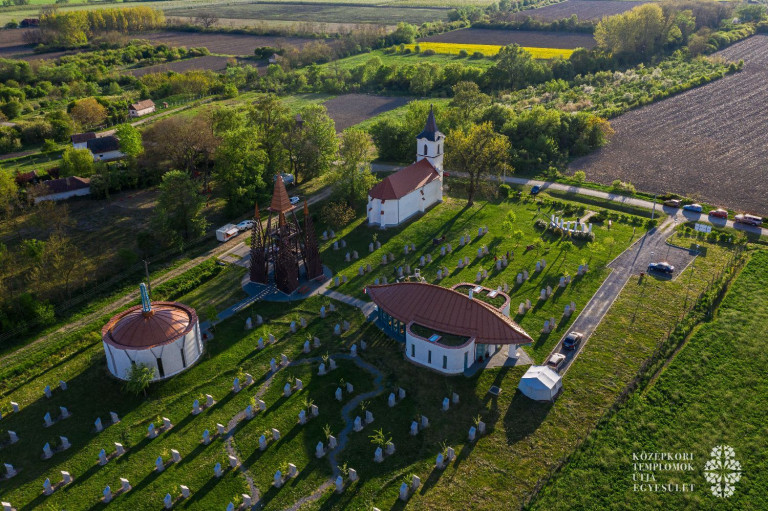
(586,10)
(351,109)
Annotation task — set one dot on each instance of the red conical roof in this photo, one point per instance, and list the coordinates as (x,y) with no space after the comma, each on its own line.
(280,201)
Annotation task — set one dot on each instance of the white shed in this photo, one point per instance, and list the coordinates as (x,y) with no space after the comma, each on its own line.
(540,383)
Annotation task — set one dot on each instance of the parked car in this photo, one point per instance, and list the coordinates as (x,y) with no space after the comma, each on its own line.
(288,179)
(696,208)
(748,219)
(572,340)
(536,189)
(719,213)
(673,203)
(295,200)
(245,225)
(663,267)
(556,361)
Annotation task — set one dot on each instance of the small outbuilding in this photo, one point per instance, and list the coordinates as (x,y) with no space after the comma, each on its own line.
(64,188)
(144,107)
(80,140)
(164,336)
(541,383)
(105,148)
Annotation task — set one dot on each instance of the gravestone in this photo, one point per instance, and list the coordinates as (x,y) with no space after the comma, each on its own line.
(543,294)
(521,308)
(13,437)
(236,385)
(64,441)
(335,245)
(414,428)
(404,491)
(230,507)
(337,328)
(353,475)
(363,345)
(391,400)
(527,304)
(383,258)
(353,350)
(481,427)
(262,442)
(368,417)
(333,364)
(168,501)
(422,260)
(261,343)
(339,484)
(261,404)
(424,422)
(246,500)
(378,456)
(272,365)
(47,391)
(15,406)
(485,273)
(184,491)
(47,488)
(479,277)
(292,470)
(107,495)
(249,412)
(358,424)
(293,323)
(439,274)
(103,457)
(217,471)
(278,479)
(159,464)
(519,278)
(331,442)
(114,417)
(167,424)
(446,404)
(455,398)
(302,417)
(549,290)
(466,261)
(275,434)
(350,388)
(319,450)
(287,390)
(415,482)
(321,370)
(562,282)
(62,385)
(442,250)
(376,281)
(313,410)
(259,320)
(119,449)
(206,437)
(233,462)
(47,452)
(272,339)
(9,470)
(498,264)
(248,323)
(196,407)
(449,248)
(525,274)
(337,394)
(450,454)
(47,420)
(220,428)
(125,485)
(66,478)
(439,462)
(429,258)
(248,379)
(472,434)
(315,342)
(299,384)
(367,270)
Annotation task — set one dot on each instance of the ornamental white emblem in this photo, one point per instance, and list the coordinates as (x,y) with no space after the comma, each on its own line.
(722,471)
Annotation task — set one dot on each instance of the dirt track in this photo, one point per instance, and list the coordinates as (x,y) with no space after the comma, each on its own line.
(708,143)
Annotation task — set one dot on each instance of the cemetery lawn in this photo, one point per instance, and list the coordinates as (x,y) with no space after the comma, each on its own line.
(94,393)
(708,395)
(221,291)
(453,219)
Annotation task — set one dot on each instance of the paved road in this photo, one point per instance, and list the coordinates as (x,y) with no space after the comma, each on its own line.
(630,262)
(642,203)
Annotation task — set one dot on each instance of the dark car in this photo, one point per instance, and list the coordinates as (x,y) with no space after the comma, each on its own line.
(662,267)
(572,340)
(719,213)
(536,189)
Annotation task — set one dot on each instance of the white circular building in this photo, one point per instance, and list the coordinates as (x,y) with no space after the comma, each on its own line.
(161,335)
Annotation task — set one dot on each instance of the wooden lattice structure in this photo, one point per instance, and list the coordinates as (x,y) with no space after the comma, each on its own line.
(284,244)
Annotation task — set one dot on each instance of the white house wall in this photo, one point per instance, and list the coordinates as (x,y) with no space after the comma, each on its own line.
(394,212)
(109,155)
(455,361)
(64,195)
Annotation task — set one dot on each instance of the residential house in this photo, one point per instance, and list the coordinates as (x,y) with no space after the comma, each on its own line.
(144,107)
(105,148)
(64,188)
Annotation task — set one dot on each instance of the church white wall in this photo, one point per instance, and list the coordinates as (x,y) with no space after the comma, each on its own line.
(119,360)
(398,211)
(418,350)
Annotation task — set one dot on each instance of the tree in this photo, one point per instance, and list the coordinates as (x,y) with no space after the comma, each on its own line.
(270,117)
(352,176)
(88,113)
(76,162)
(207,19)
(405,33)
(179,210)
(312,144)
(9,194)
(479,152)
(636,34)
(130,140)
(468,100)
(610,243)
(60,268)
(139,378)
(517,237)
(515,68)
(239,164)
(182,143)
(11,109)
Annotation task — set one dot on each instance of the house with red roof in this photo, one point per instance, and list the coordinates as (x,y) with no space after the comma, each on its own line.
(412,189)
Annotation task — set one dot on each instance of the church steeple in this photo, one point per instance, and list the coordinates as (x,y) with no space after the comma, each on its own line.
(429,143)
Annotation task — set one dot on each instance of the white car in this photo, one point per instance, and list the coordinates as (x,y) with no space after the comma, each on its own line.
(693,207)
(295,200)
(245,225)
(556,361)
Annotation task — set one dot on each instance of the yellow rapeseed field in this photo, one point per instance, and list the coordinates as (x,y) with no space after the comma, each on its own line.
(488,49)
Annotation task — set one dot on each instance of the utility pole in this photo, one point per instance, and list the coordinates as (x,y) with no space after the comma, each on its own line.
(653,211)
(146,272)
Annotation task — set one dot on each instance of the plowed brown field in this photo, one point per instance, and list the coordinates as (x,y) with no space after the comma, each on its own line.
(710,142)
(586,10)
(536,39)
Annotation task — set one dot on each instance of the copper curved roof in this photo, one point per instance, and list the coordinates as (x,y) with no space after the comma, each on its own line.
(447,311)
(133,330)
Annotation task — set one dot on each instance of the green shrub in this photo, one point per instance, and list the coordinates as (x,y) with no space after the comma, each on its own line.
(463,53)
(187,281)
(428,53)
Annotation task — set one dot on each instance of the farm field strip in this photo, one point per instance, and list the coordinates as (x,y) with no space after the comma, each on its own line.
(586,10)
(212,62)
(707,142)
(529,38)
(352,109)
(487,49)
(225,44)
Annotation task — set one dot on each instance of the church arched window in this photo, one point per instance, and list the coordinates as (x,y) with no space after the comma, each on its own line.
(425,150)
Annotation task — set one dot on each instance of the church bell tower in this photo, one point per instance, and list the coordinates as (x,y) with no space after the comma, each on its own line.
(430,143)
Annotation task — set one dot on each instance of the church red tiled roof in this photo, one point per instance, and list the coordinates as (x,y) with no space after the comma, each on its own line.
(447,311)
(280,201)
(405,180)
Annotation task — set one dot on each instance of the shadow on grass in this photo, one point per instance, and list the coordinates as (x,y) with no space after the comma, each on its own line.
(523,417)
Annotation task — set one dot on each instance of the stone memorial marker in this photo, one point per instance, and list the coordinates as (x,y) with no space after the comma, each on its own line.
(236,385)
(389,448)
(414,428)
(292,470)
(321,370)
(125,485)
(47,420)
(233,462)
(168,501)
(404,491)
(455,398)
(287,390)
(119,449)
(368,417)
(319,450)
(339,484)
(331,442)
(184,491)
(159,464)
(206,437)
(302,417)
(66,478)
(450,453)
(167,424)
(313,410)
(353,475)
(217,471)
(391,399)
(424,422)
(13,437)
(64,441)
(262,442)
(107,495)
(446,404)
(338,394)
(103,457)
(196,407)
(278,479)
(275,435)
(220,428)
(350,388)
(47,391)
(249,412)
(472,433)
(47,488)
(332,363)
(9,470)
(114,417)
(47,452)
(272,365)
(15,406)
(358,424)
(262,405)
(439,462)
(415,482)
(378,456)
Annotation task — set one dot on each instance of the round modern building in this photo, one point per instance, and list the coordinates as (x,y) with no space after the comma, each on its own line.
(164,336)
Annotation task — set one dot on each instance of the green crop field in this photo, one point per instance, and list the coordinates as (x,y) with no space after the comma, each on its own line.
(706,396)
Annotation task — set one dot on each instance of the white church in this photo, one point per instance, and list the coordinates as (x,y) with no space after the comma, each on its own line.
(412,189)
